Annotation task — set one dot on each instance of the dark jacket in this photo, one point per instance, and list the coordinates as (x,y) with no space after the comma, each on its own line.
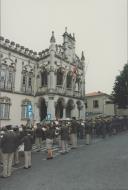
(28,141)
(74,126)
(39,132)
(64,133)
(50,133)
(8,142)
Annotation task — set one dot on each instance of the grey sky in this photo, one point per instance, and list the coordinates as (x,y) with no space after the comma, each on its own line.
(100,27)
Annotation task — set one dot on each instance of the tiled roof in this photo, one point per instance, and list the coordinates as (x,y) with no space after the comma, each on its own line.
(96,94)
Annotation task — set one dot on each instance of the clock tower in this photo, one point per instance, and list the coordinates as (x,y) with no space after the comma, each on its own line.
(69,46)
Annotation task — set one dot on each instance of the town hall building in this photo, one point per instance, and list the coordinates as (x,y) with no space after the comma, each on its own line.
(45,85)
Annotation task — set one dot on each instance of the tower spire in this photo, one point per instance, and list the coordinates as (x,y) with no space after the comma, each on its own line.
(52,40)
(82,56)
(66,29)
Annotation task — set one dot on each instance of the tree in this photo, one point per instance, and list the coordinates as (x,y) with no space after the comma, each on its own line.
(120,89)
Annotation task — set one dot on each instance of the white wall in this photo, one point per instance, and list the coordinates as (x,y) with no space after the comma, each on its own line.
(15,108)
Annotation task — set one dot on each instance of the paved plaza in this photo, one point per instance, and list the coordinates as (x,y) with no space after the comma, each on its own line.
(103,165)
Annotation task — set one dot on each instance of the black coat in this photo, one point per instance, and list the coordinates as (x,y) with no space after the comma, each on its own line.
(9,142)
(50,133)
(39,132)
(28,141)
(64,133)
(74,126)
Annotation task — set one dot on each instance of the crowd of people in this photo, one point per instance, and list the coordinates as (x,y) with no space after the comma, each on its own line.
(63,132)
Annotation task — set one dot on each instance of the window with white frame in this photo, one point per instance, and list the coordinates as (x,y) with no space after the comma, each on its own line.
(4,107)
(26,109)
(6,77)
(26,84)
(2,76)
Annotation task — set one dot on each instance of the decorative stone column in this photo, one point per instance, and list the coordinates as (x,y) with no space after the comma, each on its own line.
(51,107)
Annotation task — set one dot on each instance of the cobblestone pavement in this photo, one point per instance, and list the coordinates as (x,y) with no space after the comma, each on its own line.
(103,165)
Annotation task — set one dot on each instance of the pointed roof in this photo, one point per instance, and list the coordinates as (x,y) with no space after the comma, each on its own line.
(52,40)
(82,56)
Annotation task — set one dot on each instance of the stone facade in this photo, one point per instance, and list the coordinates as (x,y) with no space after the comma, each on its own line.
(35,86)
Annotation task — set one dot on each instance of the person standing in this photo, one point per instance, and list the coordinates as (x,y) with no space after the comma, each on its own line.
(88,132)
(73,132)
(38,137)
(8,147)
(1,136)
(27,140)
(16,153)
(64,133)
(50,134)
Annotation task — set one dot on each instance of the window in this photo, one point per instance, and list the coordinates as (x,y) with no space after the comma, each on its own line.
(59,77)
(2,75)
(26,112)
(4,108)
(24,80)
(30,82)
(27,79)
(10,77)
(69,80)
(6,77)
(44,78)
(86,104)
(95,103)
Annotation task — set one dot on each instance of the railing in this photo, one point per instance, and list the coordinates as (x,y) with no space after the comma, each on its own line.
(69,92)
(43,90)
(77,94)
(59,90)
(26,90)
(4,86)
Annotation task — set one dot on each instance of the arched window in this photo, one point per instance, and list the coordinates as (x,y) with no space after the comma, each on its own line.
(59,77)
(69,108)
(5,103)
(7,74)
(26,109)
(42,108)
(44,78)
(79,107)
(27,80)
(3,75)
(69,80)
(59,108)
(10,81)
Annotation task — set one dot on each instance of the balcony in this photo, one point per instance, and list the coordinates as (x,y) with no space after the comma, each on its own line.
(77,94)
(27,90)
(6,86)
(59,89)
(69,92)
(42,90)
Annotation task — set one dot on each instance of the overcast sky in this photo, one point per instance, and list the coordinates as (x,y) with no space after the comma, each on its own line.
(100,27)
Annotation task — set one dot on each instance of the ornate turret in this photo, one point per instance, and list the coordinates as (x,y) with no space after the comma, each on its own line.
(52,40)
(69,46)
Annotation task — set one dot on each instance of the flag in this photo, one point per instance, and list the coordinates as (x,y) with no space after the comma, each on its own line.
(74,72)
